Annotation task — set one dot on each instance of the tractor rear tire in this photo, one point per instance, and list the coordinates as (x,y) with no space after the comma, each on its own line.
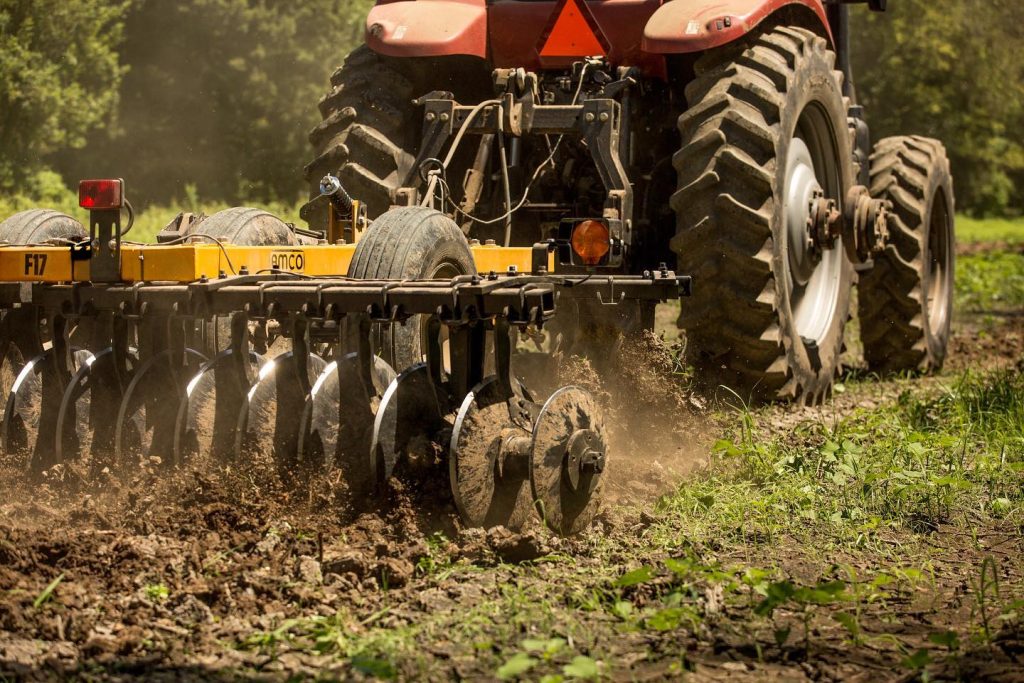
(906,300)
(408,243)
(370,132)
(768,312)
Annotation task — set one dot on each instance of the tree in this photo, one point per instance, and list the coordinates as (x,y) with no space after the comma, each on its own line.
(221,95)
(59,78)
(951,70)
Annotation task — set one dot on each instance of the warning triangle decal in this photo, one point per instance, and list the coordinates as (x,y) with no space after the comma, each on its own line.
(574,33)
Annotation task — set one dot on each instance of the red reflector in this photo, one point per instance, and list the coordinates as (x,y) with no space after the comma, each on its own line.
(591,241)
(574,33)
(101,195)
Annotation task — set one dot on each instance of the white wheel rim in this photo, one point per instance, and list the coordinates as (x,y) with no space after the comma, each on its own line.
(813,277)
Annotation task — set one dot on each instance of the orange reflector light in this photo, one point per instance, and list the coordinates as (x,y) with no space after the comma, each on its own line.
(591,241)
(101,195)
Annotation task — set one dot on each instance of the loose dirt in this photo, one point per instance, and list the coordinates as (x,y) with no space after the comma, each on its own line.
(165,575)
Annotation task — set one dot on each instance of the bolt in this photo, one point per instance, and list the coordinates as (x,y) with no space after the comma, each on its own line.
(431,116)
(444,116)
(603,117)
(592,461)
(589,117)
(513,268)
(222,275)
(244,270)
(489,243)
(203,279)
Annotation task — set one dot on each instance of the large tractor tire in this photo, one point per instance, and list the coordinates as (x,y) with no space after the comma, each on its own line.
(408,243)
(906,300)
(766,126)
(371,129)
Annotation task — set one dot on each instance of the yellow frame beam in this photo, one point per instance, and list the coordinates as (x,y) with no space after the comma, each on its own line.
(191,262)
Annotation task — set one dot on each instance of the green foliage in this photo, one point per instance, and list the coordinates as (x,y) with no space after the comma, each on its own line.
(59,78)
(221,94)
(991,282)
(950,70)
(912,466)
(47,593)
(157,592)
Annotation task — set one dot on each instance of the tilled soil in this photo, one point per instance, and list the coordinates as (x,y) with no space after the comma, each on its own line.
(170,575)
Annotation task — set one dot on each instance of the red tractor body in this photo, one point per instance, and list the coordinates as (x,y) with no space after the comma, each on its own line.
(553,34)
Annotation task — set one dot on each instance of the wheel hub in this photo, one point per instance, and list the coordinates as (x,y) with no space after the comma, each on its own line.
(803,209)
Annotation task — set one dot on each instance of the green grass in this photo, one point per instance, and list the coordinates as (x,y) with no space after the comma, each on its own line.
(971,230)
(990,283)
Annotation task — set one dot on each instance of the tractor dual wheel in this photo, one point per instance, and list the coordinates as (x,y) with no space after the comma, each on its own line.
(906,301)
(765,132)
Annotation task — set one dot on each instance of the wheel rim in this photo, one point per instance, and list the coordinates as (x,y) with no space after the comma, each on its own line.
(813,276)
(939,261)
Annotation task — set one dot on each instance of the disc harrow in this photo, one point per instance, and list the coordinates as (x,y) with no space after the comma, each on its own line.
(261,366)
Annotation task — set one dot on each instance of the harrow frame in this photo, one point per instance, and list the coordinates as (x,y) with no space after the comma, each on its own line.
(144,329)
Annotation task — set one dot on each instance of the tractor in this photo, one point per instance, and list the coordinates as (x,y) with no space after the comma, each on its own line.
(488,173)
(721,138)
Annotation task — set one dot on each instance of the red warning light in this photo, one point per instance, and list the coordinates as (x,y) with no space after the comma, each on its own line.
(573,32)
(101,195)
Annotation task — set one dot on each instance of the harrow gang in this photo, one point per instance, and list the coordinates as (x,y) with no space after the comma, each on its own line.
(172,364)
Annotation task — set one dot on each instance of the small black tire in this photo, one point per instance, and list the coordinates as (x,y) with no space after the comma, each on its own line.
(906,301)
(408,243)
(36,226)
(246,227)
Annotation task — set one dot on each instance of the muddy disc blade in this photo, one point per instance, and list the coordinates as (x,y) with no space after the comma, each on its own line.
(567,460)
(411,413)
(268,427)
(490,483)
(337,419)
(29,428)
(11,364)
(148,411)
(208,415)
(85,423)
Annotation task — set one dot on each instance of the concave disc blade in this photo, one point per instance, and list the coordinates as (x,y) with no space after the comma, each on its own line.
(268,422)
(29,428)
(208,416)
(569,414)
(11,363)
(488,492)
(85,423)
(338,417)
(411,413)
(146,416)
